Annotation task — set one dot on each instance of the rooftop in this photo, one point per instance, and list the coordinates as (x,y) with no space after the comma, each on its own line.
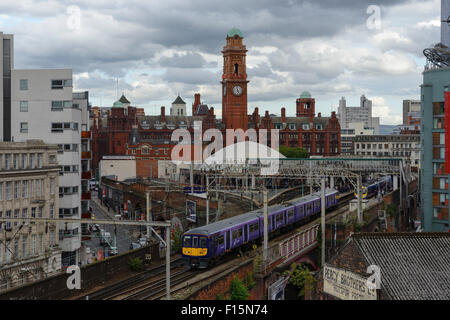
(414,266)
(234,31)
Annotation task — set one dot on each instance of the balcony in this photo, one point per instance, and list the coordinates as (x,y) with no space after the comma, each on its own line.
(86,175)
(86,155)
(86,196)
(85,134)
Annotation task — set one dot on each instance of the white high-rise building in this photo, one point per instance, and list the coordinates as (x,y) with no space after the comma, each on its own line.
(363,113)
(43,106)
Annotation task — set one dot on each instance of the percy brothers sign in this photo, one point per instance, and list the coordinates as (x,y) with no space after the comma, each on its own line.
(346,285)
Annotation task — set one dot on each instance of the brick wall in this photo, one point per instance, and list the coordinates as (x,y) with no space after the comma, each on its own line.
(221,286)
(54,288)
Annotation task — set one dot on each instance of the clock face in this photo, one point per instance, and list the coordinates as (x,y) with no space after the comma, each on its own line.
(237,90)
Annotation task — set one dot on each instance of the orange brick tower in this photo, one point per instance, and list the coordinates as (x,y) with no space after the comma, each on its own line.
(234,82)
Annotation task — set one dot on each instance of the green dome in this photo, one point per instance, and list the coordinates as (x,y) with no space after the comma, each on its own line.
(305,95)
(234,31)
(117,104)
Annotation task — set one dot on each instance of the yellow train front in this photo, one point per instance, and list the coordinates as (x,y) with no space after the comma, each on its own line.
(195,252)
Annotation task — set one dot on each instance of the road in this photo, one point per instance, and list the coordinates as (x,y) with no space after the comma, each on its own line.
(125,234)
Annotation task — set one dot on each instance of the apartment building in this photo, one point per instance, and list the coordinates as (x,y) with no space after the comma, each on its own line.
(348,136)
(406,146)
(29,175)
(42,106)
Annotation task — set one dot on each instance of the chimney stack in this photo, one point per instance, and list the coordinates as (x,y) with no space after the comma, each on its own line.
(283,115)
(196,103)
(163,114)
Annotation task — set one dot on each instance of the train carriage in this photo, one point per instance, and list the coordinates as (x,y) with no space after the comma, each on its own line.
(202,245)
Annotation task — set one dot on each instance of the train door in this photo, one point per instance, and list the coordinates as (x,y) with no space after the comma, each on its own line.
(246,233)
(228,240)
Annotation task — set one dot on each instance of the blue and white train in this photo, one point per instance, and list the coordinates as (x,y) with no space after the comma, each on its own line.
(202,246)
(369,190)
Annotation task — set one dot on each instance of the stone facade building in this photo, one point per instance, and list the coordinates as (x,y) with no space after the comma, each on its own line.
(28,189)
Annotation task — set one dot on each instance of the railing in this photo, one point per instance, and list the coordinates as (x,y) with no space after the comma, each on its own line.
(299,242)
(289,247)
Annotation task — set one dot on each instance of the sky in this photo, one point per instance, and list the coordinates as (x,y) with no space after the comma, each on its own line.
(153,50)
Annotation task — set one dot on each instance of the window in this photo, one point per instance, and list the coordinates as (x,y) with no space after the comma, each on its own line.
(24,127)
(40,212)
(16,215)
(39,160)
(8,223)
(24,245)
(52,211)
(57,84)
(202,242)
(25,189)
(319,127)
(305,126)
(33,246)
(23,84)
(16,248)
(16,161)
(237,234)
(253,227)
(7,161)
(24,161)
(1,191)
(57,127)
(25,213)
(23,106)
(187,241)
(31,161)
(219,241)
(57,105)
(8,190)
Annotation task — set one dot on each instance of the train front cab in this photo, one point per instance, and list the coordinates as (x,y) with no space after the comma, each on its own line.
(195,251)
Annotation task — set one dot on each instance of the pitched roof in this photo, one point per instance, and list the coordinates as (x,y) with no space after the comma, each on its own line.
(414,266)
(178,100)
(202,109)
(123,99)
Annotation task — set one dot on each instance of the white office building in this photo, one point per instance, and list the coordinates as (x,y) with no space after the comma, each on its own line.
(363,113)
(43,106)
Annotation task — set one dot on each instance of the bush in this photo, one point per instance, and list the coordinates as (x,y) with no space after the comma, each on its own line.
(238,291)
(136,264)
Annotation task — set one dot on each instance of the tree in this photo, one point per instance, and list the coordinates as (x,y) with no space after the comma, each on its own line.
(176,237)
(293,152)
(135,264)
(301,278)
(238,291)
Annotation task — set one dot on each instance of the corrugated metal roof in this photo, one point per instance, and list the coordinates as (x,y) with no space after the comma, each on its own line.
(413,266)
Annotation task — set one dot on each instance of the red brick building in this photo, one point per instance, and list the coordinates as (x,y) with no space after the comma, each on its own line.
(126,130)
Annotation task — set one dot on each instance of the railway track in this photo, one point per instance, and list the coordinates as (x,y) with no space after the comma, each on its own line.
(114,290)
(151,284)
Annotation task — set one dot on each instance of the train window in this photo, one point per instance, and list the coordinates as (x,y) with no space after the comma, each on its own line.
(202,242)
(254,227)
(187,241)
(290,214)
(237,233)
(195,242)
(219,241)
(279,218)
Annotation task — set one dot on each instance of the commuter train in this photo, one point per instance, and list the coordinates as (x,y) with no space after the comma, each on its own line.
(371,189)
(202,246)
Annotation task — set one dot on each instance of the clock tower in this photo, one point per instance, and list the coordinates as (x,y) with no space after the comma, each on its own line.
(234,82)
